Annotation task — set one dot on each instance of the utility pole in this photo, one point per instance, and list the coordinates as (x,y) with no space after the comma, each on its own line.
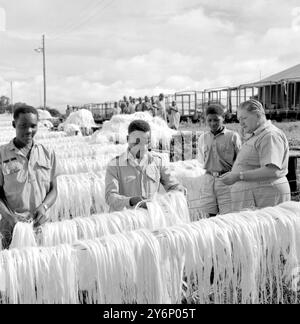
(43,51)
(44,73)
(11,94)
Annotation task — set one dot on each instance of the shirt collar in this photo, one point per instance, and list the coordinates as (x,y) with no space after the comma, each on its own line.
(223,131)
(128,157)
(261,128)
(12,147)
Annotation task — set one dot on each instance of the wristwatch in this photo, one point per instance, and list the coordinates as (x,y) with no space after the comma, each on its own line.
(242,176)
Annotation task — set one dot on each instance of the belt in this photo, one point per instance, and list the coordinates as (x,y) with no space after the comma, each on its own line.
(216,174)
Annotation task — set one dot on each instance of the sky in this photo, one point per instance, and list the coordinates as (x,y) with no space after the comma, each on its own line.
(101,50)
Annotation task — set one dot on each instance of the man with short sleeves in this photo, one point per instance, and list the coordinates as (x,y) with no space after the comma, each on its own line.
(218,149)
(259,173)
(137,174)
(27,176)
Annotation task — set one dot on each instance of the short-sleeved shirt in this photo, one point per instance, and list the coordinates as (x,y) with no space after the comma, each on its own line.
(218,152)
(26,183)
(267,145)
(125,178)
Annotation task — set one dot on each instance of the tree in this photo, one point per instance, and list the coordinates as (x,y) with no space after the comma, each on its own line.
(54,112)
(4,103)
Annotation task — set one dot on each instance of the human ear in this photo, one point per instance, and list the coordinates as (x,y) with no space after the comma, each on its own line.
(14,124)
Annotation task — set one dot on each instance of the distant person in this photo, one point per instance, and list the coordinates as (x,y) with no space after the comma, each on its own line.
(131,107)
(117,109)
(147,105)
(174,116)
(154,107)
(139,106)
(161,107)
(218,149)
(258,176)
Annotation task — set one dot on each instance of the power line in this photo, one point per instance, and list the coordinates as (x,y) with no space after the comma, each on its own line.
(83,14)
(98,11)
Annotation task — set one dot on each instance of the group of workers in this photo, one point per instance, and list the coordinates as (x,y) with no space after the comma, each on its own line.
(238,175)
(156,107)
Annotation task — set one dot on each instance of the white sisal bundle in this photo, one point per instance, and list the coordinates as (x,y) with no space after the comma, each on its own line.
(189,174)
(124,268)
(90,227)
(74,197)
(64,232)
(168,209)
(40,275)
(23,236)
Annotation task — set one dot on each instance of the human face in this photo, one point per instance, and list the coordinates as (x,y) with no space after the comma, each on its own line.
(215,122)
(249,121)
(26,127)
(139,144)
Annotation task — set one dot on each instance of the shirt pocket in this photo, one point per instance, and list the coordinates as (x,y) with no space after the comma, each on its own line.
(14,177)
(226,152)
(43,171)
(130,179)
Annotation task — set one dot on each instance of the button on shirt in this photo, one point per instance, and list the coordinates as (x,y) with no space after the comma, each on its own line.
(218,152)
(267,145)
(126,178)
(26,182)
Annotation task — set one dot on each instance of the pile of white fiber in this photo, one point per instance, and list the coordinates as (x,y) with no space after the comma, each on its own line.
(116,130)
(82,118)
(44,114)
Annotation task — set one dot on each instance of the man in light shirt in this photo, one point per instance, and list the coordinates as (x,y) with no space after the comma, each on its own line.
(27,176)
(218,149)
(137,174)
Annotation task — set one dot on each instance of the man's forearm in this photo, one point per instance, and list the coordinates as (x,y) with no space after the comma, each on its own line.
(4,210)
(51,197)
(261,174)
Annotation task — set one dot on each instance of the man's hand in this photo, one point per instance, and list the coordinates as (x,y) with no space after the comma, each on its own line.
(230,178)
(136,200)
(40,217)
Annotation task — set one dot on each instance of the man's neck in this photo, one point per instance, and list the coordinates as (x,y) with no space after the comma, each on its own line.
(19,145)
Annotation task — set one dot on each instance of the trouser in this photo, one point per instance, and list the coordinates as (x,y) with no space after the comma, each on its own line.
(215,196)
(252,195)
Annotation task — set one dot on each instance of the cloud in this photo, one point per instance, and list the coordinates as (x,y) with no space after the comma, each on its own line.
(143,47)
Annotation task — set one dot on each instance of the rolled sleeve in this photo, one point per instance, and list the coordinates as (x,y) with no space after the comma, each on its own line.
(54,173)
(1,177)
(271,151)
(113,198)
(237,143)
(168,179)
(200,156)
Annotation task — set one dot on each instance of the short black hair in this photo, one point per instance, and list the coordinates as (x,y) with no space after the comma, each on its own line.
(215,109)
(139,125)
(24,109)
